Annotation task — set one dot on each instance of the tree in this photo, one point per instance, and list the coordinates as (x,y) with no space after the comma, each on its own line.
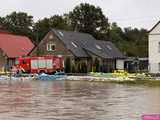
(83,18)
(2,21)
(115,33)
(68,65)
(19,23)
(42,27)
(97,65)
(136,42)
(131,41)
(2,25)
(89,19)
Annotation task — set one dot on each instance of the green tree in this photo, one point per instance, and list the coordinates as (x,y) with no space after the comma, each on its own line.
(68,65)
(136,42)
(131,41)
(2,25)
(2,21)
(19,23)
(89,19)
(73,68)
(83,67)
(115,34)
(42,27)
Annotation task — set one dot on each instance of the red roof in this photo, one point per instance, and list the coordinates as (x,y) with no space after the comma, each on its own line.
(15,46)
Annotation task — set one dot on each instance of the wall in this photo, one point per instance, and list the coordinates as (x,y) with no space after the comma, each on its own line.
(120,64)
(154,53)
(60,48)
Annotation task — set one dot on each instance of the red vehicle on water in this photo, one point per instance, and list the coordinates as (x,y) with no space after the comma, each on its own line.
(47,64)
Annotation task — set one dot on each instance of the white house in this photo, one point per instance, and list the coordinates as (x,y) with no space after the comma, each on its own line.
(154,49)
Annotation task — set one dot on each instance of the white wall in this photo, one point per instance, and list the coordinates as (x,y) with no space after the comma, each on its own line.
(154,53)
(119,64)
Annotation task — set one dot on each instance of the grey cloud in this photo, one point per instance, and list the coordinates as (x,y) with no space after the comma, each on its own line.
(135,13)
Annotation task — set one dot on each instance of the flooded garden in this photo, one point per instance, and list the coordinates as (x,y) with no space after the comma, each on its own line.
(76,100)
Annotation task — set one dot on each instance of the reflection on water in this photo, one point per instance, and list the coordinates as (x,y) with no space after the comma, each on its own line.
(75,100)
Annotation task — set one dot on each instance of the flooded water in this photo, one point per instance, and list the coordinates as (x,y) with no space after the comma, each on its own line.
(76,100)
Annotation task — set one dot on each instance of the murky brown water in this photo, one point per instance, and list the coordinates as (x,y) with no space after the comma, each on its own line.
(68,100)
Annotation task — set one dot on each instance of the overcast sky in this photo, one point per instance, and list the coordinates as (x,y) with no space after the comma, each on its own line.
(134,13)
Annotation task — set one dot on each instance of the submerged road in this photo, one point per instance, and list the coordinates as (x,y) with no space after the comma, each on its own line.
(76,100)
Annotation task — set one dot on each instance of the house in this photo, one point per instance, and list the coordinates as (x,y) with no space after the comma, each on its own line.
(154,49)
(11,47)
(82,52)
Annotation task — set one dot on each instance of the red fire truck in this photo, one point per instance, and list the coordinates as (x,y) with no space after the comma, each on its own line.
(47,64)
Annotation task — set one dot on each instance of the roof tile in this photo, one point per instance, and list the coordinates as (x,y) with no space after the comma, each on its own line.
(14,45)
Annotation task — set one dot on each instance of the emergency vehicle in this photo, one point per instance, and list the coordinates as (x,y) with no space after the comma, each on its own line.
(46,64)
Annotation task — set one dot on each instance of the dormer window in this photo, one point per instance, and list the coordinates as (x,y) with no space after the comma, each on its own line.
(74,44)
(98,47)
(61,34)
(51,47)
(109,47)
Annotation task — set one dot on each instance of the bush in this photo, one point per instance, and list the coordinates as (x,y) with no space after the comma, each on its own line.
(73,69)
(68,65)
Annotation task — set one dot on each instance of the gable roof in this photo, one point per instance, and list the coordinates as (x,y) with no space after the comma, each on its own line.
(154,26)
(80,44)
(69,38)
(14,46)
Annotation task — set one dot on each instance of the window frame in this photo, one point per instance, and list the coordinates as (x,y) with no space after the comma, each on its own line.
(49,47)
(74,44)
(98,47)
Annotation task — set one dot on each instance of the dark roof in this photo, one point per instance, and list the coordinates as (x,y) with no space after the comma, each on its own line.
(14,45)
(80,44)
(136,58)
(110,49)
(69,38)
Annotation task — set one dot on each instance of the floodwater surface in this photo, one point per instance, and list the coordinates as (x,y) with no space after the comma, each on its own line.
(76,100)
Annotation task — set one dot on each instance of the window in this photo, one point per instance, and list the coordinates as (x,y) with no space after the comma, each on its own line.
(159,47)
(34,64)
(60,33)
(24,62)
(74,44)
(98,47)
(109,47)
(50,47)
(159,67)
(16,62)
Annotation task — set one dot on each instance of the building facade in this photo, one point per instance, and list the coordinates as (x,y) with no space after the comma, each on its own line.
(81,51)
(154,49)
